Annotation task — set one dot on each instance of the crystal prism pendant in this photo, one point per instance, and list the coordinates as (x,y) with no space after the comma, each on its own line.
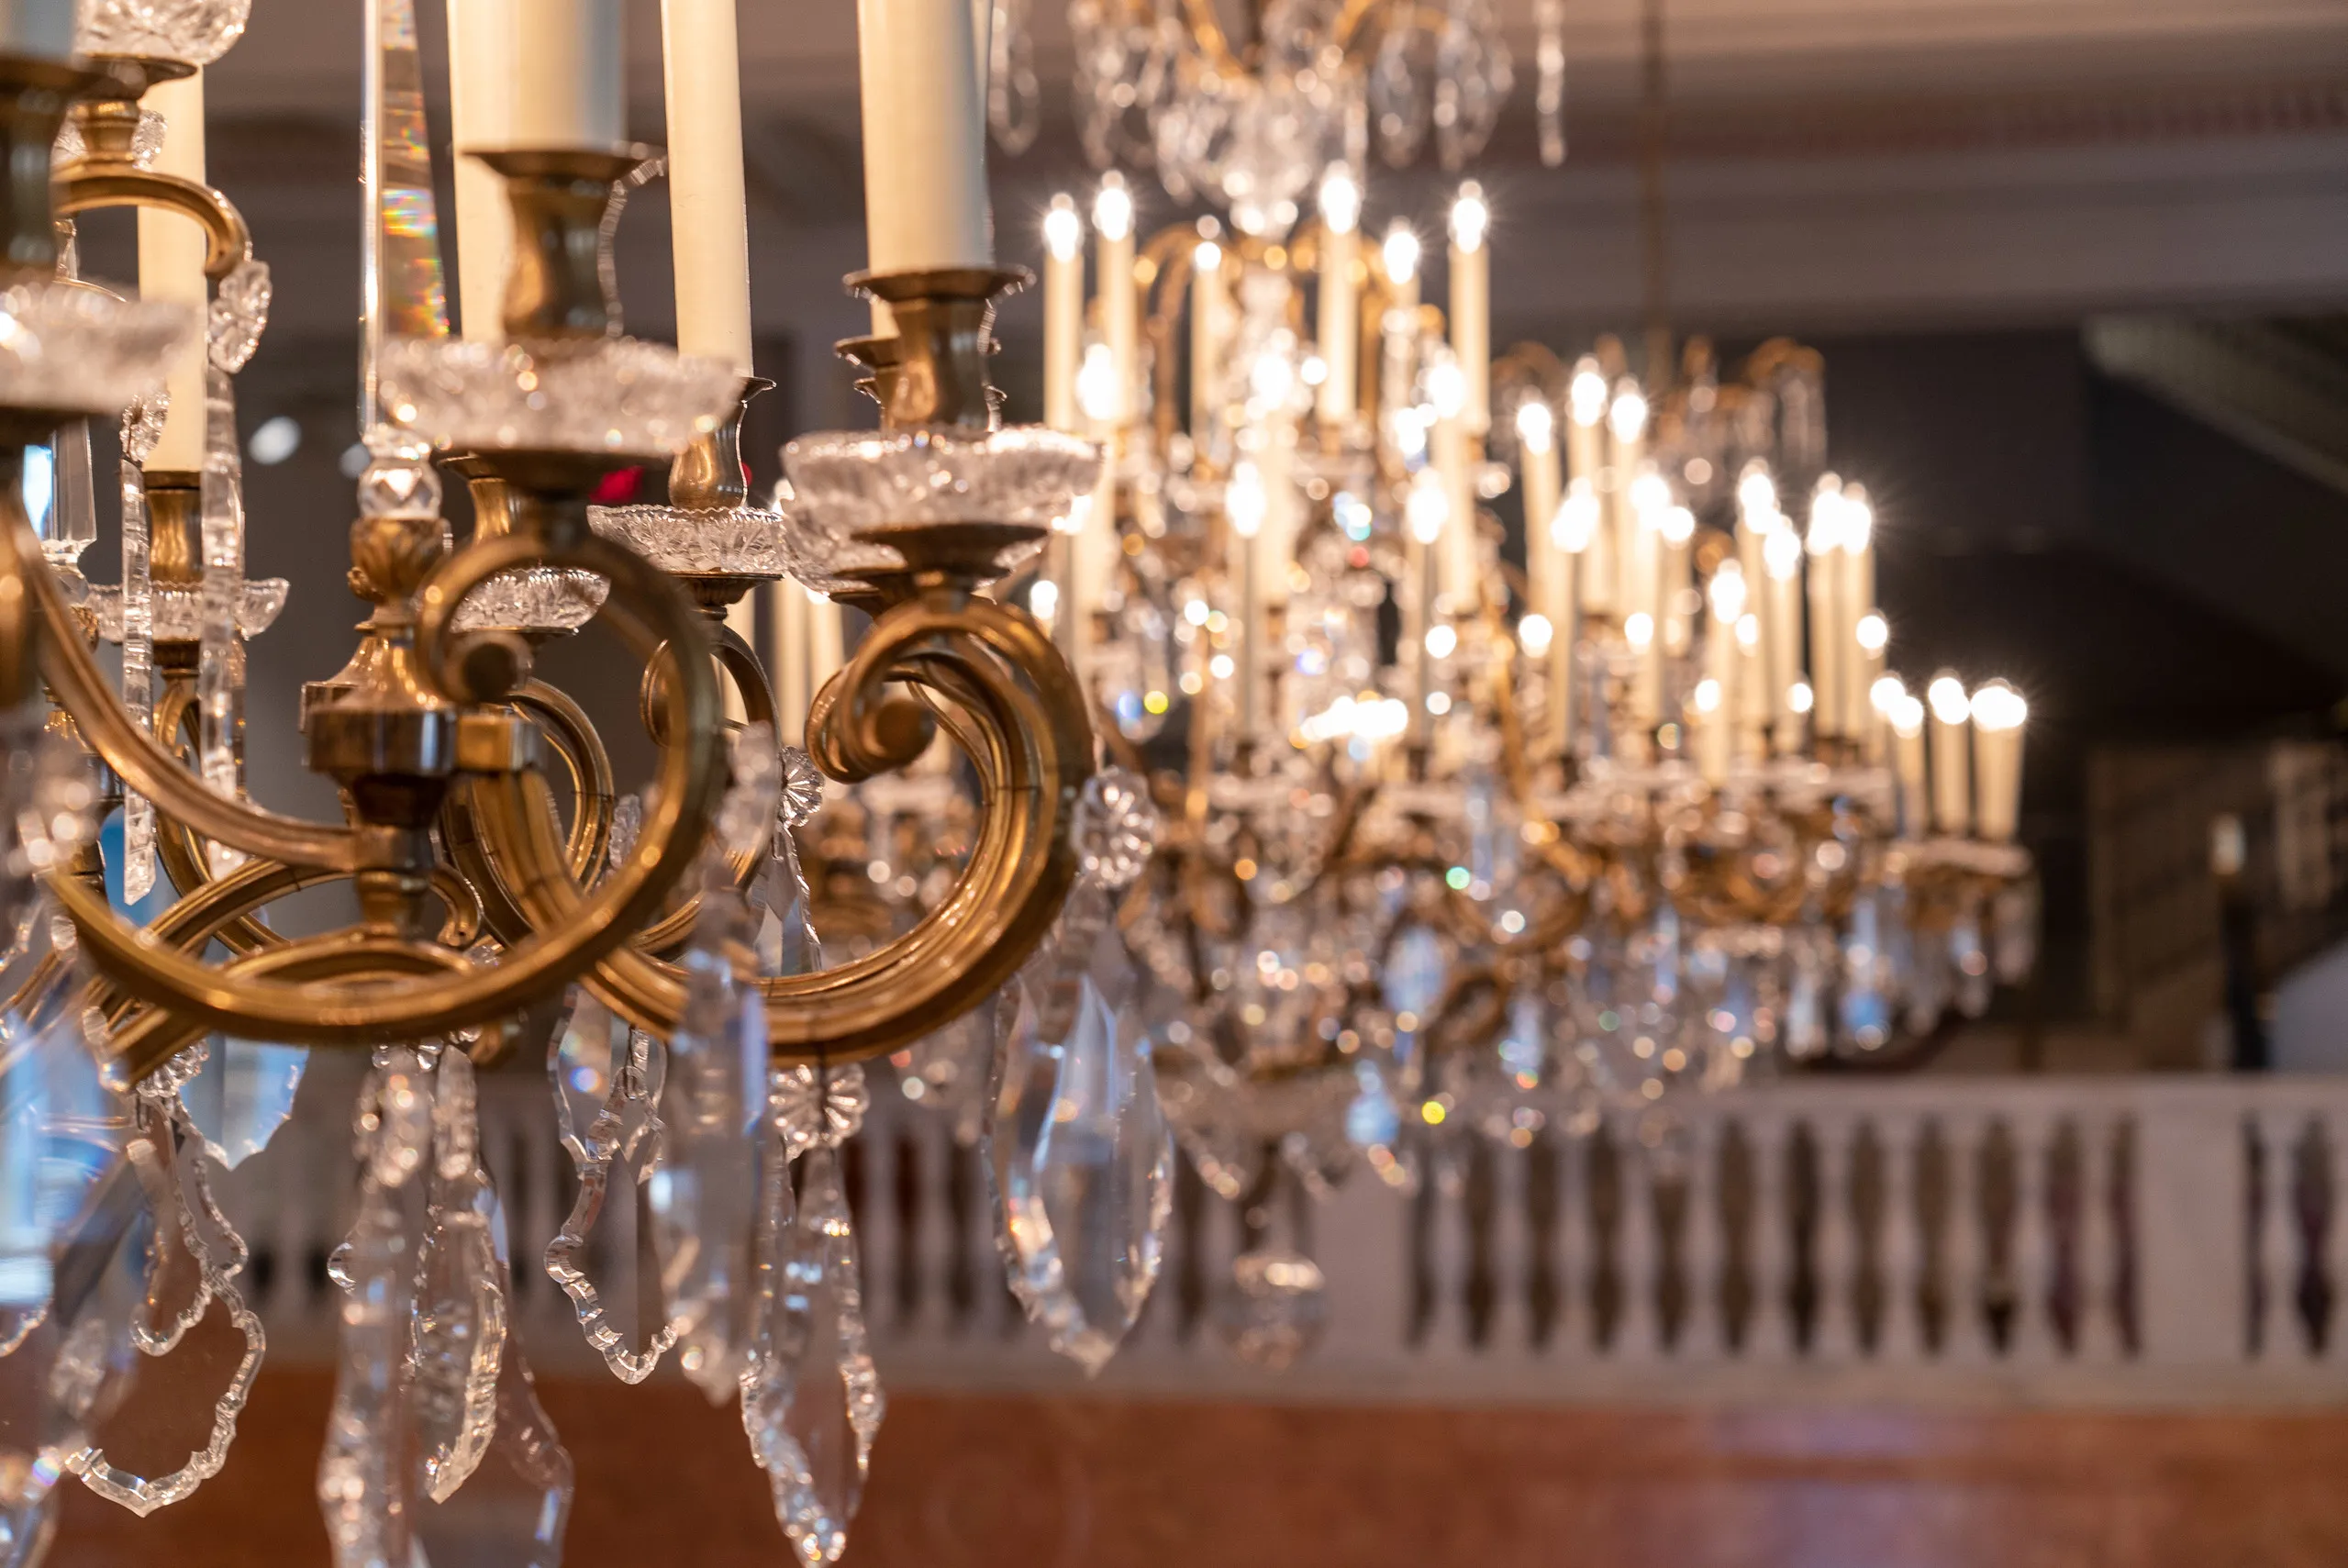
(365,1483)
(242,1097)
(1079,1153)
(812,1398)
(459,1303)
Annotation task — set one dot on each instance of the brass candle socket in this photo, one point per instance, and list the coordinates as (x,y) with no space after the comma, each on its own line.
(945,321)
(560,288)
(708,476)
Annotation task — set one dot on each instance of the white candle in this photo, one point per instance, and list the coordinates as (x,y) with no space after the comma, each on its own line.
(1781,629)
(1865,705)
(1586,410)
(925,136)
(44,29)
(1546,565)
(1120,296)
(1829,625)
(1276,545)
(786,659)
(1626,422)
(1472,303)
(1675,595)
(1951,779)
(1907,764)
(1997,711)
(1715,726)
(1574,532)
(1752,688)
(481,96)
(709,207)
(170,266)
(1340,245)
(1456,564)
(1855,531)
(1092,567)
(569,87)
(1063,312)
(1210,312)
(1244,506)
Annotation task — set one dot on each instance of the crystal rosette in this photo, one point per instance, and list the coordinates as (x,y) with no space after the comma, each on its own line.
(611,395)
(847,486)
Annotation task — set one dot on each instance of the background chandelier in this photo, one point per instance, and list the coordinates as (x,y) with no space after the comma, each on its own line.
(1243,107)
(701,1050)
(1457,841)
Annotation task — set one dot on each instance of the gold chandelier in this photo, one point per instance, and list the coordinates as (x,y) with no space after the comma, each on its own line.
(493,867)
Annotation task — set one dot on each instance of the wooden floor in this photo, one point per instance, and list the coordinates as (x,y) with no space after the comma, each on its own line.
(665,1482)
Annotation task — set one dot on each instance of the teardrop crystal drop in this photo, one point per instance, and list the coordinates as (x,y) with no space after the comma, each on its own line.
(1081,1161)
(460,1302)
(365,1483)
(811,1399)
(623,1140)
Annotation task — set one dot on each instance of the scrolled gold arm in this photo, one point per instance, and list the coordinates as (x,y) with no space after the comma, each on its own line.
(1033,753)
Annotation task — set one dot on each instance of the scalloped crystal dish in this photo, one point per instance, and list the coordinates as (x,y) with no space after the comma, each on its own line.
(847,482)
(77,349)
(179,612)
(197,31)
(534,599)
(613,395)
(731,542)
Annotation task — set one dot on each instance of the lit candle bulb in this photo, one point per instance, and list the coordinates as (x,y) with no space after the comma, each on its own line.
(1211,309)
(1675,598)
(1339,328)
(1573,533)
(1999,712)
(1546,569)
(1064,311)
(1781,629)
(1626,426)
(1714,727)
(1585,411)
(1751,686)
(1952,777)
(1458,567)
(1907,764)
(1244,506)
(1830,628)
(1869,643)
(1119,294)
(1855,525)
(1471,303)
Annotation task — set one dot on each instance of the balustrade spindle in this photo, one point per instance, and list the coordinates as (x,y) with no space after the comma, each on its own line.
(1768,1135)
(1966,1150)
(2099,1259)
(1638,1336)
(1899,1338)
(1701,1332)
(1835,1254)
(2267,1155)
(2031,1337)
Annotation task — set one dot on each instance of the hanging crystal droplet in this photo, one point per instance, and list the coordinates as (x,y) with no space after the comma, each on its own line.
(626,1132)
(459,1307)
(201,1343)
(364,1480)
(513,1510)
(582,1064)
(811,1399)
(705,1192)
(67,1200)
(1082,1163)
(219,679)
(243,1096)
(142,426)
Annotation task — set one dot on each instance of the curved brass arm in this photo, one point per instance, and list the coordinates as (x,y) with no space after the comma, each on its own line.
(87,184)
(1024,707)
(342,989)
(142,762)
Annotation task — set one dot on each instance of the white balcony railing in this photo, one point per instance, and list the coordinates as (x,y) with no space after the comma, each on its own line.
(2086,1241)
